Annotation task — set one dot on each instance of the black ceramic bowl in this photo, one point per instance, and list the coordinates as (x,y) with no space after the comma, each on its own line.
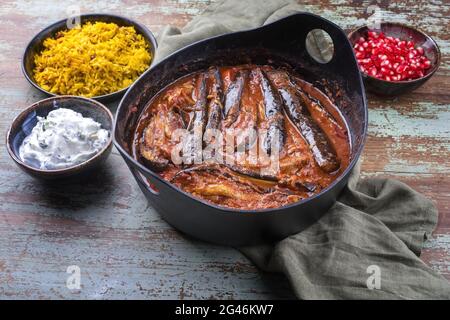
(27,119)
(281,44)
(403,32)
(35,47)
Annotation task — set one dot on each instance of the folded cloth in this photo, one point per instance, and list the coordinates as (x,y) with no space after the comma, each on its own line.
(367,245)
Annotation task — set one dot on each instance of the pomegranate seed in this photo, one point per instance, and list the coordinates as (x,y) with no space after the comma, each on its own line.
(385,63)
(384,70)
(420,50)
(400,69)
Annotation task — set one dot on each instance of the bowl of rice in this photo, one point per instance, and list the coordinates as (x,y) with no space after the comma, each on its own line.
(98,58)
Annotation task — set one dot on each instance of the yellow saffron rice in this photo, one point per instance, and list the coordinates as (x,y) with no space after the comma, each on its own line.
(96,59)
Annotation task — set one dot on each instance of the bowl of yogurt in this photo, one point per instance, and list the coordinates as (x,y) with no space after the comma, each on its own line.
(61,137)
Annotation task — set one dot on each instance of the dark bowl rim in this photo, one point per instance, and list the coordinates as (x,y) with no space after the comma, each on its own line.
(146,34)
(34,106)
(415,29)
(261,212)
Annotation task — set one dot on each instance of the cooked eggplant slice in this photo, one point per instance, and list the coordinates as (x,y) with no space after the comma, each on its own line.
(235,172)
(150,146)
(233,98)
(198,118)
(297,111)
(308,186)
(222,190)
(222,181)
(201,168)
(273,106)
(239,192)
(153,160)
(193,143)
(252,173)
(215,105)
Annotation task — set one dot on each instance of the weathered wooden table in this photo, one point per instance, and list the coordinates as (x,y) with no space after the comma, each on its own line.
(123,248)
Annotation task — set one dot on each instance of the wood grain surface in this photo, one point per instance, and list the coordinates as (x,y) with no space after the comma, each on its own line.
(104,224)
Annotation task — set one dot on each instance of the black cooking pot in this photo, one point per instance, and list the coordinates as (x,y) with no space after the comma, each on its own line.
(280,44)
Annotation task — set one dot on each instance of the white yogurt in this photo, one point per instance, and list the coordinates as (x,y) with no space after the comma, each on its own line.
(63,139)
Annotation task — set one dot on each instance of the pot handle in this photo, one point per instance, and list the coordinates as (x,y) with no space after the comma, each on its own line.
(145,180)
(342,47)
(292,31)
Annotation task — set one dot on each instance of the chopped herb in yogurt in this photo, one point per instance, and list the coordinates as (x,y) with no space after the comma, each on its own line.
(62,139)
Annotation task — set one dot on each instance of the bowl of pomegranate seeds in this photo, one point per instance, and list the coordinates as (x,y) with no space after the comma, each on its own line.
(394,59)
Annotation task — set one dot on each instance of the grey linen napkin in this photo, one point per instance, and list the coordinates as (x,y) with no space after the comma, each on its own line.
(367,245)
